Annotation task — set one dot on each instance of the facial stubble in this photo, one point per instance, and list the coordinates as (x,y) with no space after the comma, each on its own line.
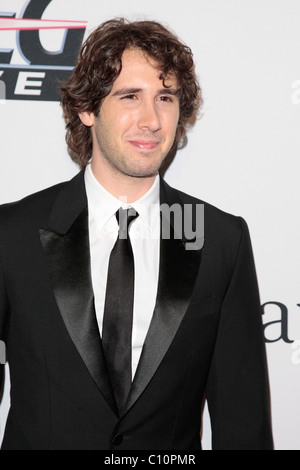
(124,162)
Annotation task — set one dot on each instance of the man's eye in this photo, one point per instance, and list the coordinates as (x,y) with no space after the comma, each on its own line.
(129,97)
(166,99)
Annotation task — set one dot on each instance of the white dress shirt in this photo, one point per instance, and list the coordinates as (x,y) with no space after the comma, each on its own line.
(144,234)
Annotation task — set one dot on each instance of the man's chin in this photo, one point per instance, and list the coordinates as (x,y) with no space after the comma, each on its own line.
(142,171)
(145,175)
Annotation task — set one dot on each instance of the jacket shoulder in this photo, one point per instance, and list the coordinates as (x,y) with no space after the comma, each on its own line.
(216,219)
(224,233)
(34,207)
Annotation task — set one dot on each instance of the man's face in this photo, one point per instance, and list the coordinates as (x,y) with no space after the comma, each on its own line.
(137,123)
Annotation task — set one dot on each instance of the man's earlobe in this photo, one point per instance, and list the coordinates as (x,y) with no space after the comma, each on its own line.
(87,118)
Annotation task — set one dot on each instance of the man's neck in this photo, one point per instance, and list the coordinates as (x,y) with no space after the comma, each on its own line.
(127,188)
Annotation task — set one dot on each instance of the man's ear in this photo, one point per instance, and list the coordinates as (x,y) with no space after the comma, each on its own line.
(87,118)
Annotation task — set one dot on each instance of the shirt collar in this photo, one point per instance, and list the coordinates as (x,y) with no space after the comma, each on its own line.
(104,205)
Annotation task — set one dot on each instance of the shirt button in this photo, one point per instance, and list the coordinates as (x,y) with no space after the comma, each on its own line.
(117,440)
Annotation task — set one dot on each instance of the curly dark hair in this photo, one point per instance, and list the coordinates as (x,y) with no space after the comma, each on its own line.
(100,63)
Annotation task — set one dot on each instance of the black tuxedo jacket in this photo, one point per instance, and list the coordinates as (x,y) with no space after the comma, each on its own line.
(205,338)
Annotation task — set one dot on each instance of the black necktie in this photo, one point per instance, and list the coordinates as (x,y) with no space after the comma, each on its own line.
(118,310)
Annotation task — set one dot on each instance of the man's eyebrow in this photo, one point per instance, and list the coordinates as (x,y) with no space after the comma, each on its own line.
(127,91)
(132,91)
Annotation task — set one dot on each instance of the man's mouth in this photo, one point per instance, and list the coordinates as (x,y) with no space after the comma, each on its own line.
(144,145)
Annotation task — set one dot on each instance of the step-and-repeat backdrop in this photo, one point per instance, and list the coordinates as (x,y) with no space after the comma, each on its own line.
(243,154)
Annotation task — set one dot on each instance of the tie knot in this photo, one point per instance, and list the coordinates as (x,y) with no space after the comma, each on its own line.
(125,217)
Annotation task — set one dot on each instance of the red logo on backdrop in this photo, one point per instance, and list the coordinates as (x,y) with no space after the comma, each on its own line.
(38,78)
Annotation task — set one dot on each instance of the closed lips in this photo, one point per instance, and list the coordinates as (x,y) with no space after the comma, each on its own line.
(144,145)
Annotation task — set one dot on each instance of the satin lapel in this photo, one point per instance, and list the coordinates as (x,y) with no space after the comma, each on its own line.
(68,257)
(177,276)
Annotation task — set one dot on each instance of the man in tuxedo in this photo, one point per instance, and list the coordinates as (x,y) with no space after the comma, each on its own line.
(118,321)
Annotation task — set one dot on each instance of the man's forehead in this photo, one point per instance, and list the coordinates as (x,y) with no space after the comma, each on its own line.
(133,54)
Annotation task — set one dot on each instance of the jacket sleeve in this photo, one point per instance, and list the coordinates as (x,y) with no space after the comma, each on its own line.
(238,385)
(4,310)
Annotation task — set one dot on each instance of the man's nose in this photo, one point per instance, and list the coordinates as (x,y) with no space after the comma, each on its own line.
(149,117)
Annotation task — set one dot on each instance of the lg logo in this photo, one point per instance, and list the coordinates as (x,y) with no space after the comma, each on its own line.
(42,70)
